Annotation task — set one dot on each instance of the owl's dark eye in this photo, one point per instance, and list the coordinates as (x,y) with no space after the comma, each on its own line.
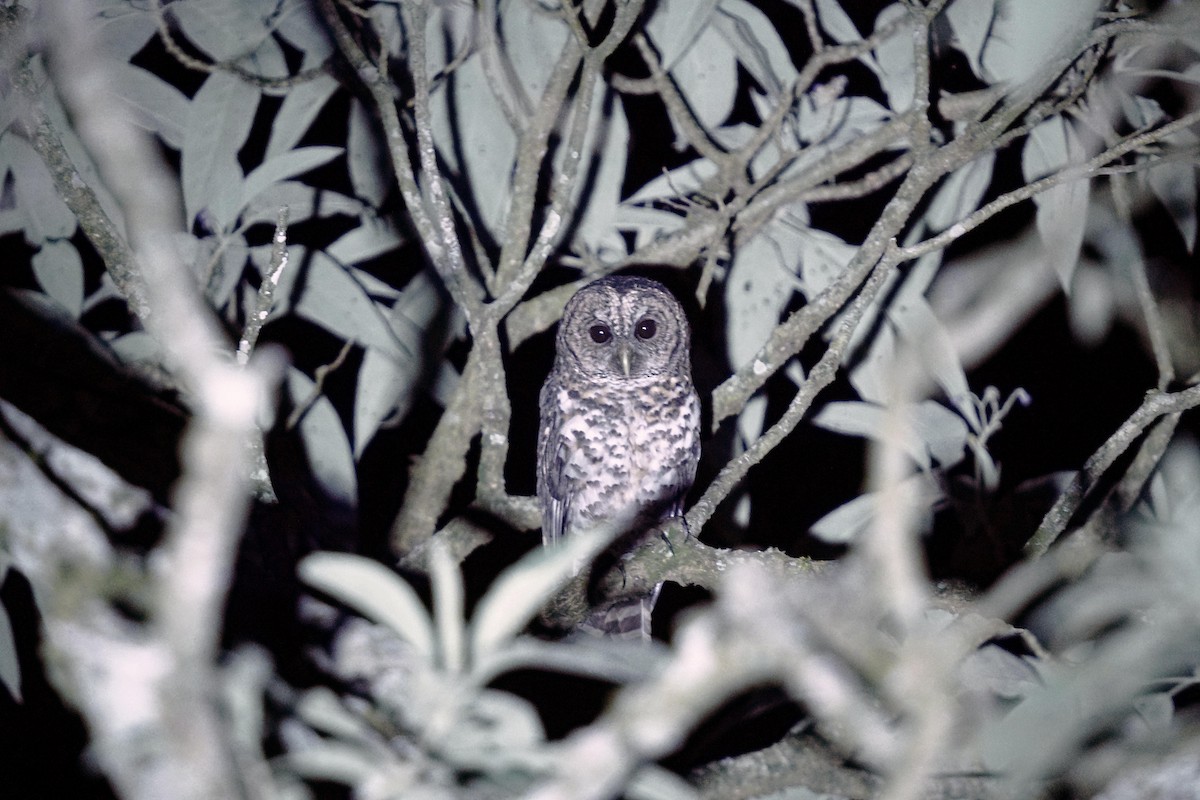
(600,333)
(646,329)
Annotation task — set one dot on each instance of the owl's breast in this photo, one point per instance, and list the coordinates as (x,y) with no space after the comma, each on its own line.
(632,451)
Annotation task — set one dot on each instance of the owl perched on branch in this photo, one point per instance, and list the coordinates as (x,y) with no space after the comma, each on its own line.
(620,425)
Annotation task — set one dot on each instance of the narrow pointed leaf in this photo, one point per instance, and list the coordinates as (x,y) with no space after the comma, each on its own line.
(374,591)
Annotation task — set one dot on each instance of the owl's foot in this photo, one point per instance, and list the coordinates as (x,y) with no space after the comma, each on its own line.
(687,533)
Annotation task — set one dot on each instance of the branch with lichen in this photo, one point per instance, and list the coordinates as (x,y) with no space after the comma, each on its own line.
(183,732)
(104,234)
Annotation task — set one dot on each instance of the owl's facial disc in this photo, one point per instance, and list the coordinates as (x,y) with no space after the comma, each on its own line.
(622,329)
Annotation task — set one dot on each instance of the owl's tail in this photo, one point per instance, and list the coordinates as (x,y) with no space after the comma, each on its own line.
(624,619)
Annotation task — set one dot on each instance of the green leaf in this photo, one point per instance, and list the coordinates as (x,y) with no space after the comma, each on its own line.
(1028,34)
(916,323)
(652,782)
(223,29)
(386,384)
(532,41)
(485,146)
(675,26)
(374,591)
(706,74)
(334,762)
(122,32)
(497,732)
(596,227)
(823,257)
(374,237)
(1156,711)
(59,271)
(1175,187)
(138,348)
(761,283)
(303,202)
(893,61)
(326,446)
(370,171)
(522,589)
(926,431)
(46,215)
(960,193)
(847,522)
(836,22)
(636,213)
(321,709)
(832,124)
(306,32)
(231,265)
(385,388)
(759,48)
(1061,210)
(971,21)
(156,104)
(334,300)
(299,108)
(613,660)
(11,219)
(286,165)
(219,121)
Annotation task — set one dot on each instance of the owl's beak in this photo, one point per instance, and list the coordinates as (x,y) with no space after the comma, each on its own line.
(625,355)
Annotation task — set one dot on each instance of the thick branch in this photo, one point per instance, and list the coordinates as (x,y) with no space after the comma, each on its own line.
(444,461)
(81,199)
(211,496)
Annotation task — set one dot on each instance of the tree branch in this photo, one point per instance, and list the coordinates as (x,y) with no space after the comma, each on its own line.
(1157,404)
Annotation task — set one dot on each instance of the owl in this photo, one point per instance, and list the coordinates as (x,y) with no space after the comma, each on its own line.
(620,424)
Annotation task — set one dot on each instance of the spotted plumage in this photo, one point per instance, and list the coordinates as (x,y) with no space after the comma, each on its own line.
(620,419)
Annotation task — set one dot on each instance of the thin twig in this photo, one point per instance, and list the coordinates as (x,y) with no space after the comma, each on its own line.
(1155,329)
(1157,404)
(531,153)
(815,39)
(319,375)
(231,67)
(821,375)
(679,111)
(1067,174)
(266,289)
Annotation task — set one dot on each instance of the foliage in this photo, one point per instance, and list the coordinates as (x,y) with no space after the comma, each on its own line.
(403,195)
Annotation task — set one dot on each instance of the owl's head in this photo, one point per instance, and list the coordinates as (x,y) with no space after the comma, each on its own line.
(623,328)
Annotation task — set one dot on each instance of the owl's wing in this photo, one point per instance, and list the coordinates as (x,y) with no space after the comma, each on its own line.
(689,461)
(553,488)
